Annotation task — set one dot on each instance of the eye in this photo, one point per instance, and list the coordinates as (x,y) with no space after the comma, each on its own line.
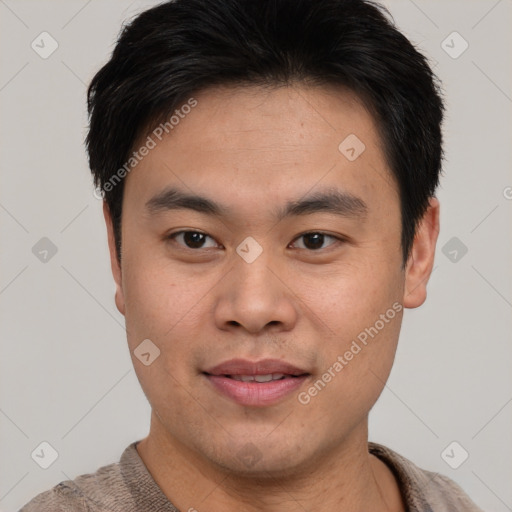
(192,239)
(314,240)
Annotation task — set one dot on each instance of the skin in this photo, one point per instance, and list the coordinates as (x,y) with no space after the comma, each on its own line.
(253,150)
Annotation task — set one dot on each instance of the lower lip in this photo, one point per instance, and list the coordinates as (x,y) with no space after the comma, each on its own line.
(256,394)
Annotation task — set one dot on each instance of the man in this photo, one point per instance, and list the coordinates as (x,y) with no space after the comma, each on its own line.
(268,169)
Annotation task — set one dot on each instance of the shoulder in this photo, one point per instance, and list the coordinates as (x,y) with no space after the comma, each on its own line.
(124,486)
(92,492)
(64,497)
(424,490)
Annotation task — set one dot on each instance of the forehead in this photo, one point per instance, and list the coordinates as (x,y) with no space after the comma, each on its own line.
(241,142)
(294,117)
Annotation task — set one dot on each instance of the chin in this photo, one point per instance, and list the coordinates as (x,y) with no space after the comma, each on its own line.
(262,459)
(262,469)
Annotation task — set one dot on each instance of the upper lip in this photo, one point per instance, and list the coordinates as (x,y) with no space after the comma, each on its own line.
(262,367)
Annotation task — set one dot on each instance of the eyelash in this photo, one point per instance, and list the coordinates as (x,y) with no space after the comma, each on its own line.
(172,237)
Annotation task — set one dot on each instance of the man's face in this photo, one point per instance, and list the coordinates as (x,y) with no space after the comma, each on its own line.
(210,297)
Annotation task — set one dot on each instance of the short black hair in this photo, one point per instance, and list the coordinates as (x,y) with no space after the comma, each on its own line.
(178,48)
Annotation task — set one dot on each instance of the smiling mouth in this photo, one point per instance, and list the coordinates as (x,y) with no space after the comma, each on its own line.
(259,383)
(256,390)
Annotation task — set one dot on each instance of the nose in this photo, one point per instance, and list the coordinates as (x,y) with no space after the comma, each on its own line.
(256,296)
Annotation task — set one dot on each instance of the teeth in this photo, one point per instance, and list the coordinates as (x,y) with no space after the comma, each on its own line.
(263,378)
(244,378)
(258,378)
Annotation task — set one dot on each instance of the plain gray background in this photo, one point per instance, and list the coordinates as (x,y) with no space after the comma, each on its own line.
(66,376)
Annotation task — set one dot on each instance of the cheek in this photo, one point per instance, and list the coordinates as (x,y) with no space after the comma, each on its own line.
(355,367)
(156,295)
(168,306)
(361,313)
(353,298)
(163,312)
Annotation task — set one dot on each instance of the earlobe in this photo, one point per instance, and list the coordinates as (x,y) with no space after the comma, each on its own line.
(421,259)
(114,263)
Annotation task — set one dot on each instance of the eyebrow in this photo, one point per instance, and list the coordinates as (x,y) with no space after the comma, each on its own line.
(330,200)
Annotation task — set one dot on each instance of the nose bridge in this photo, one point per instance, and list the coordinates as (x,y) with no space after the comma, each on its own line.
(252,295)
(253,282)
(252,261)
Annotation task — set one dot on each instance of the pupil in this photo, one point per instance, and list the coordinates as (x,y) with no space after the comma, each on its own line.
(193,239)
(319,240)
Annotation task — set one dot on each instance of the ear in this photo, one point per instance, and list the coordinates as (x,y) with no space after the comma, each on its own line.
(114,263)
(421,260)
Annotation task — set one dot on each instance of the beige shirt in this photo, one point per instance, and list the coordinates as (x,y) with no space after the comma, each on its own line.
(127,486)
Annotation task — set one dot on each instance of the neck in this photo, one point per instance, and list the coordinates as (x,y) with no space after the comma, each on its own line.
(349,479)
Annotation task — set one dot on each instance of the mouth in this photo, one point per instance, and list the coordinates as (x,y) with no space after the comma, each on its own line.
(261,368)
(259,378)
(257,384)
